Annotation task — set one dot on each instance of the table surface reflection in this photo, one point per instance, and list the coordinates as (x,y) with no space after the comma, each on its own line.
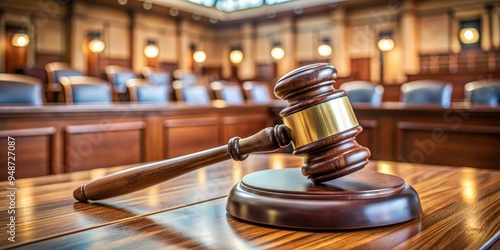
(461,211)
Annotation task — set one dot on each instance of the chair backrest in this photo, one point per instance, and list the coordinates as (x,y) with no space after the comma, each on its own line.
(483,92)
(86,89)
(427,91)
(142,91)
(192,94)
(189,79)
(20,89)
(364,92)
(257,92)
(118,77)
(156,76)
(56,70)
(228,92)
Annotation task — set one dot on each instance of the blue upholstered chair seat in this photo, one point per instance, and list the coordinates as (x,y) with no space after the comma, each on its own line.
(196,94)
(232,95)
(20,89)
(152,93)
(65,73)
(91,93)
(427,92)
(363,92)
(159,78)
(86,89)
(120,80)
(483,92)
(260,94)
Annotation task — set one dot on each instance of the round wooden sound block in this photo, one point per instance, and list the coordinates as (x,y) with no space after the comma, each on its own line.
(285,198)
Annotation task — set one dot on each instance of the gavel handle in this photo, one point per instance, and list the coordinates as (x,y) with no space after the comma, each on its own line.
(140,177)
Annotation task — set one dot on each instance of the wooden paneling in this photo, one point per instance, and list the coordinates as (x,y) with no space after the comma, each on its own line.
(185,136)
(360,68)
(368,137)
(243,126)
(89,136)
(32,151)
(468,145)
(94,145)
(267,72)
(43,58)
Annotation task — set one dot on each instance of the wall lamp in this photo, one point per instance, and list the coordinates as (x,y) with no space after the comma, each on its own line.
(151,50)
(199,56)
(385,43)
(20,39)
(96,45)
(325,49)
(469,35)
(236,55)
(277,52)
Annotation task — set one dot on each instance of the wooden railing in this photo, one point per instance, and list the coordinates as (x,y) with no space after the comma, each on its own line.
(58,138)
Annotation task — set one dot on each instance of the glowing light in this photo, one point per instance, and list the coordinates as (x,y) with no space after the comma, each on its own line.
(96,46)
(151,50)
(278,53)
(324,50)
(199,56)
(236,56)
(469,35)
(386,44)
(20,40)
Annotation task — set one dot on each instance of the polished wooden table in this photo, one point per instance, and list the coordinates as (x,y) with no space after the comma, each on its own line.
(461,211)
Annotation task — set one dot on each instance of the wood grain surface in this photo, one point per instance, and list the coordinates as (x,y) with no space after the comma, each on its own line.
(461,211)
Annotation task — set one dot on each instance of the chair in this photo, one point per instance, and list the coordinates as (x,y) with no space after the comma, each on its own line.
(142,91)
(20,89)
(156,76)
(228,92)
(364,92)
(185,78)
(257,92)
(483,92)
(192,94)
(56,70)
(427,91)
(118,77)
(86,89)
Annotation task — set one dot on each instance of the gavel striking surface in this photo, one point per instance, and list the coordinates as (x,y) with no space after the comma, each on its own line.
(284,198)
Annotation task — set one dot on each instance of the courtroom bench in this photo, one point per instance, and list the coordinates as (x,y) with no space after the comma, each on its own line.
(54,139)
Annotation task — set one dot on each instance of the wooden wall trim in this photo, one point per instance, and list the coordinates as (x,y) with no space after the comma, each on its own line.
(241,119)
(186,122)
(448,127)
(368,123)
(28,132)
(113,126)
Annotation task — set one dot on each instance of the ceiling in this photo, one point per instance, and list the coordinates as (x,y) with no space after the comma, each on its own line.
(225,10)
(186,9)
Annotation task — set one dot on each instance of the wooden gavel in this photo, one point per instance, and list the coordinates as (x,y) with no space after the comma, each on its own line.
(319,122)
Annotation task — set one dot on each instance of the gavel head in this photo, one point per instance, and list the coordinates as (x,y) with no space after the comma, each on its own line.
(321,123)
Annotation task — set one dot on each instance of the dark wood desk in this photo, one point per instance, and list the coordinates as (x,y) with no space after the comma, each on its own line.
(461,211)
